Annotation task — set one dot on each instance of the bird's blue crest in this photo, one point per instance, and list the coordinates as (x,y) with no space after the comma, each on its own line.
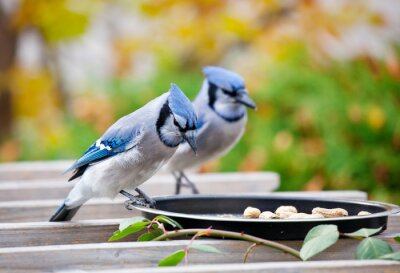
(224,78)
(181,105)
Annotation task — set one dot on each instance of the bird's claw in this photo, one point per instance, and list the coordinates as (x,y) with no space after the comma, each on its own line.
(151,203)
(139,201)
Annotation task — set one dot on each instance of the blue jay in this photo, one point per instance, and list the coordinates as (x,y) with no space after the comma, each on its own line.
(221,108)
(131,151)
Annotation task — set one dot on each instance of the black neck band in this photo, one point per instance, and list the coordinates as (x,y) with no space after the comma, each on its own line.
(212,95)
(164,113)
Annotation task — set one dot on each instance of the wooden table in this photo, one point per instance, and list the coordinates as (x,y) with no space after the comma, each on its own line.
(82,245)
(30,244)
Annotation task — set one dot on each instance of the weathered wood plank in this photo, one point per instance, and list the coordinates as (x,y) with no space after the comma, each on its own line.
(45,233)
(35,210)
(41,210)
(89,231)
(54,170)
(116,255)
(12,191)
(393,224)
(147,254)
(34,170)
(354,266)
(215,183)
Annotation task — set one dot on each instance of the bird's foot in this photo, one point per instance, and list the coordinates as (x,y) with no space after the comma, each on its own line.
(183,181)
(142,200)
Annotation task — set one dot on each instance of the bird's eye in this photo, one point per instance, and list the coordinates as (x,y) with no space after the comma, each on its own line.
(228,93)
(179,127)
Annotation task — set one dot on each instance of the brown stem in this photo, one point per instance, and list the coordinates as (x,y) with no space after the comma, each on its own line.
(232,235)
(249,249)
(197,235)
(8,44)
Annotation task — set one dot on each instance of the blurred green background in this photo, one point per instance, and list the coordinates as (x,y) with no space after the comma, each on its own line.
(325,76)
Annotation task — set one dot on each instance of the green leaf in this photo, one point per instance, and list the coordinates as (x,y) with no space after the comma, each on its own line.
(397,239)
(166,220)
(128,231)
(395,256)
(372,248)
(363,233)
(149,236)
(318,239)
(174,259)
(205,248)
(127,222)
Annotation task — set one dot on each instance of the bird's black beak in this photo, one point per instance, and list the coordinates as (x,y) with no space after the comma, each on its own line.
(244,99)
(189,137)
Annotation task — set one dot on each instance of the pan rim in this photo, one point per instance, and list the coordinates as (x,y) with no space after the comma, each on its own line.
(389,209)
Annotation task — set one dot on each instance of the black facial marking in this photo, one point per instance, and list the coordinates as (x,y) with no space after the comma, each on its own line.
(212,97)
(181,129)
(229,93)
(164,114)
(212,94)
(176,123)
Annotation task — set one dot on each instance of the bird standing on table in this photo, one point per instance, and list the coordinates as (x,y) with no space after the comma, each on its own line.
(222,116)
(131,151)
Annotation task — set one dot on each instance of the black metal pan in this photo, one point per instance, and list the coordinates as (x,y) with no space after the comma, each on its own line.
(203,211)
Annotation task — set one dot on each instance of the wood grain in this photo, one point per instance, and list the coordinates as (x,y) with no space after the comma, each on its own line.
(210,183)
(147,254)
(41,210)
(90,231)
(45,233)
(34,170)
(354,266)
(12,191)
(30,192)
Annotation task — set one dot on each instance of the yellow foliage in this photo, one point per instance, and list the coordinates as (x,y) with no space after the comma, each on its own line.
(283,140)
(241,28)
(254,160)
(57,20)
(393,66)
(210,166)
(265,110)
(354,113)
(376,117)
(316,183)
(95,110)
(9,150)
(313,147)
(33,93)
(304,118)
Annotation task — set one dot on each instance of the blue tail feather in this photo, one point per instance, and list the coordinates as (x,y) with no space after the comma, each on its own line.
(63,213)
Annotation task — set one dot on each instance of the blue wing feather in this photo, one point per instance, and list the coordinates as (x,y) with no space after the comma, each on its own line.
(116,140)
(90,157)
